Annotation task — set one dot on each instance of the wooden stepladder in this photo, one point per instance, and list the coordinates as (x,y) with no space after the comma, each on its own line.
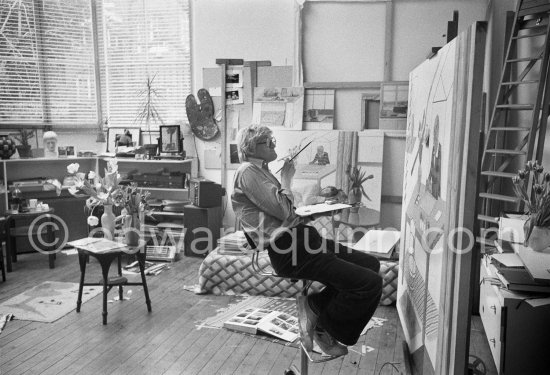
(519,117)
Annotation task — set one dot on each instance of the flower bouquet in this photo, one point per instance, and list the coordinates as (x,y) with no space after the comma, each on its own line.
(537,203)
(107,191)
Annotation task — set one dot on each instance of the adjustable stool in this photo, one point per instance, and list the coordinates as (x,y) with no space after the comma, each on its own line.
(265,271)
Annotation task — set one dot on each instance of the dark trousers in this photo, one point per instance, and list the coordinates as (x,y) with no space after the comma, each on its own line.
(353,286)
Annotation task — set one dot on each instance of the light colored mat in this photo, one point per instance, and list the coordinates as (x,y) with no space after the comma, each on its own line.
(47,302)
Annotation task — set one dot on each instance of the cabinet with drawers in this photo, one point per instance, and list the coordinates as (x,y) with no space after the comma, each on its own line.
(518,334)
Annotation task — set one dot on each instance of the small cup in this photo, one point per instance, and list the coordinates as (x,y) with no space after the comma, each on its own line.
(33,203)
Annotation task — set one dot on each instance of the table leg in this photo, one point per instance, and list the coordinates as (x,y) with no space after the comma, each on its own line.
(141,261)
(82,262)
(120,291)
(105,265)
(9,249)
(51,255)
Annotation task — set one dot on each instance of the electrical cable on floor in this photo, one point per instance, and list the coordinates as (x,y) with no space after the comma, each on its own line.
(393,364)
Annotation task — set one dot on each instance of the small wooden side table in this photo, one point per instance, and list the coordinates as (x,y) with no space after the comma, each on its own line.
(100,250)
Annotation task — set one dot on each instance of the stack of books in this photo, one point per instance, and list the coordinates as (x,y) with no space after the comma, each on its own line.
(232,243)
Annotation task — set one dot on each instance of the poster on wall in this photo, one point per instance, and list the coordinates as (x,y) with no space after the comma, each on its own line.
(279,107)
(438,187)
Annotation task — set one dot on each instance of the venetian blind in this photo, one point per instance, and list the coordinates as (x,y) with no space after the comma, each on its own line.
(141,40)
(47,74)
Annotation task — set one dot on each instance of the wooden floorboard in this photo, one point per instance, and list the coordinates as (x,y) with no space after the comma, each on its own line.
(166,341)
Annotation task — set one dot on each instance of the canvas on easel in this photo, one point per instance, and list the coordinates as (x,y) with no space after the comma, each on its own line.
(439,189)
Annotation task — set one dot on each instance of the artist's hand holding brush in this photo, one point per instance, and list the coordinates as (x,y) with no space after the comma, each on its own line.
(287,173)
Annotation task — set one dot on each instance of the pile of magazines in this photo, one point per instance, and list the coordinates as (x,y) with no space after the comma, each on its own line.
(233,243)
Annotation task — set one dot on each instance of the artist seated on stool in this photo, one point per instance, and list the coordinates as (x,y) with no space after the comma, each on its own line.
(336,316)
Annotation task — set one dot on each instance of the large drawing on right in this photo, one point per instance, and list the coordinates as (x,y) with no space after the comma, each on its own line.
(439,184)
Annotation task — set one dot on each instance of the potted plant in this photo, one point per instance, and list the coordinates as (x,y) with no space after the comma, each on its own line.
(24,149)
(537,203)
(356,190)
(148,112)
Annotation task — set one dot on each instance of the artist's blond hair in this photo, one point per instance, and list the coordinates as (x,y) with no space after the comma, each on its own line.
(249,137)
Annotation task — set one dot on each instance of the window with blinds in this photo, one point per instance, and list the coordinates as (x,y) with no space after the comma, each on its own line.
(47,72)
(141,41)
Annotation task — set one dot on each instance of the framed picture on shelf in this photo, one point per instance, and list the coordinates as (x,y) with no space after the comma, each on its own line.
(122,136)
(170,139)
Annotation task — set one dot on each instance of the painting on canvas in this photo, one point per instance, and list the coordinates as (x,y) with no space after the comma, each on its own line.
(435,127)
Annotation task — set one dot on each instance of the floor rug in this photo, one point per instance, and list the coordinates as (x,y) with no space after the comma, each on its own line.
(47,302)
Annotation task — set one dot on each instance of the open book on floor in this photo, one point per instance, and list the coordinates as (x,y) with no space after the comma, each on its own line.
(275,323)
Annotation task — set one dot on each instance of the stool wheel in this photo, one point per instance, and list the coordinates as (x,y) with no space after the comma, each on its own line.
(289,372)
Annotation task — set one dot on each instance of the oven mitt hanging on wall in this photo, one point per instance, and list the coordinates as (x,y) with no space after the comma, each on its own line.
(201,117)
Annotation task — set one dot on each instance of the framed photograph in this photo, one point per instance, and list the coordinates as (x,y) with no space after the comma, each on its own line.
(62,151)
(170,139)
(119,136)
(70,151)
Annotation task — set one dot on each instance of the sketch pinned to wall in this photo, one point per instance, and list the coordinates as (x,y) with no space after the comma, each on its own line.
(272,114)
(234,78)
(394,99)
(430,208)
(269,102)
(234,96)
(319,109)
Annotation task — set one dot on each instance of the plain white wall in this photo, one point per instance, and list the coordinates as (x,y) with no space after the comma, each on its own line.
(421,24)
(241,29)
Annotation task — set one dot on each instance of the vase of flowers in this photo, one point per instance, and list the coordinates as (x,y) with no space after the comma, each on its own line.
(356,190)
(107,192)
(537,203)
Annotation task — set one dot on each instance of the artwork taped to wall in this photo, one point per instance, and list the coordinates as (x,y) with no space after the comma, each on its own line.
(319,109)
(234,78)
(234,96)
(438,189)
(393,99)
(279,107)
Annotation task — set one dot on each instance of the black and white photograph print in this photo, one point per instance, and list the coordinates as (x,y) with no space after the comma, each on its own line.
(234,96)
(233,78)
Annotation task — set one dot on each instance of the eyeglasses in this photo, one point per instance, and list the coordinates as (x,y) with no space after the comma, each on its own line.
(269,142)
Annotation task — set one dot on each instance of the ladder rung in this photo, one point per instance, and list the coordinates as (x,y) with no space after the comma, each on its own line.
(490,219)
(504,151)
(498,174)
(520,82)
(510,128)
(533,24)
(533,9)
(524,59)
(516,106)
(530,35)
(499,197)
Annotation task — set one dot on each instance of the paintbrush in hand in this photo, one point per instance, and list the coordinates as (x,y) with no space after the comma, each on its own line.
(294,156)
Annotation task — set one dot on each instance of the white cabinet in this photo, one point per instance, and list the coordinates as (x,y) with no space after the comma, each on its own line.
(518,334)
